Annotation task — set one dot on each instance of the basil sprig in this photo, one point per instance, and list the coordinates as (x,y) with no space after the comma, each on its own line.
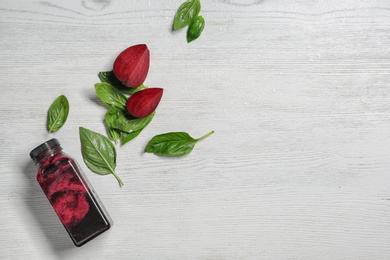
(187,15)
(57,114)
(120,125)
(98,152)
(173,144)
(195,29)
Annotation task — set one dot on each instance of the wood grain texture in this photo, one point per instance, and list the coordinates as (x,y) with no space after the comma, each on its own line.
(298,93)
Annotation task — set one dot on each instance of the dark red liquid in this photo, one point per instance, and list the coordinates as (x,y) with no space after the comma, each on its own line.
(72,200)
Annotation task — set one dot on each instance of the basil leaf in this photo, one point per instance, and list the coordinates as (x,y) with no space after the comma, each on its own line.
(109,77)
(57,114)
(98,152)
(186,13)
(114,134)
(126,137)
(120,126)
(195,29)
(111,116)
(110,95)
(132,91)
(127,125)
(134,124)
(173,144)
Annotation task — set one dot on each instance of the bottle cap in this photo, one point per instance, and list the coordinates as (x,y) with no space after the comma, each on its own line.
(44,147)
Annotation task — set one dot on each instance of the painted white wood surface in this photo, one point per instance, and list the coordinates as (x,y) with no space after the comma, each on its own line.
(298,93)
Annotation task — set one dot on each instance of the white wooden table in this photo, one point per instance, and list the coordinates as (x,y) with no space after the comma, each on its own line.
(298,93)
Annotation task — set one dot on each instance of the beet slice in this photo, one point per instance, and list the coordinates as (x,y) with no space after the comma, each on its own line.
(132,65)
(144,102)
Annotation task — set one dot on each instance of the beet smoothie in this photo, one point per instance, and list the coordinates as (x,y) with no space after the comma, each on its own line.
(69,193)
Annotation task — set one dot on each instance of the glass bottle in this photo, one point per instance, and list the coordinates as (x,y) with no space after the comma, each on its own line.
(69,192)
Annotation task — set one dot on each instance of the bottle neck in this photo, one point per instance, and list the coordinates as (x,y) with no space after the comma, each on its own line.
(47,155)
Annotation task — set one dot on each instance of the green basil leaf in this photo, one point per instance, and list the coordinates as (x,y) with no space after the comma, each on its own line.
(195,29)
(114,134)
(126,137)
(121,126)
(173,144)
(110,95)
(124,124)
(111,116)
(132,91)
(57,114)
(109,77)
(186,13)
(98,152)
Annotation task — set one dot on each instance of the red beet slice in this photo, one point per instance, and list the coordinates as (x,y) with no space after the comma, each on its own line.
(144,102)
(132,65)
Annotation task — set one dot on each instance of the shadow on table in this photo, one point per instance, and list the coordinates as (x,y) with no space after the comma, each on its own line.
(44,215)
